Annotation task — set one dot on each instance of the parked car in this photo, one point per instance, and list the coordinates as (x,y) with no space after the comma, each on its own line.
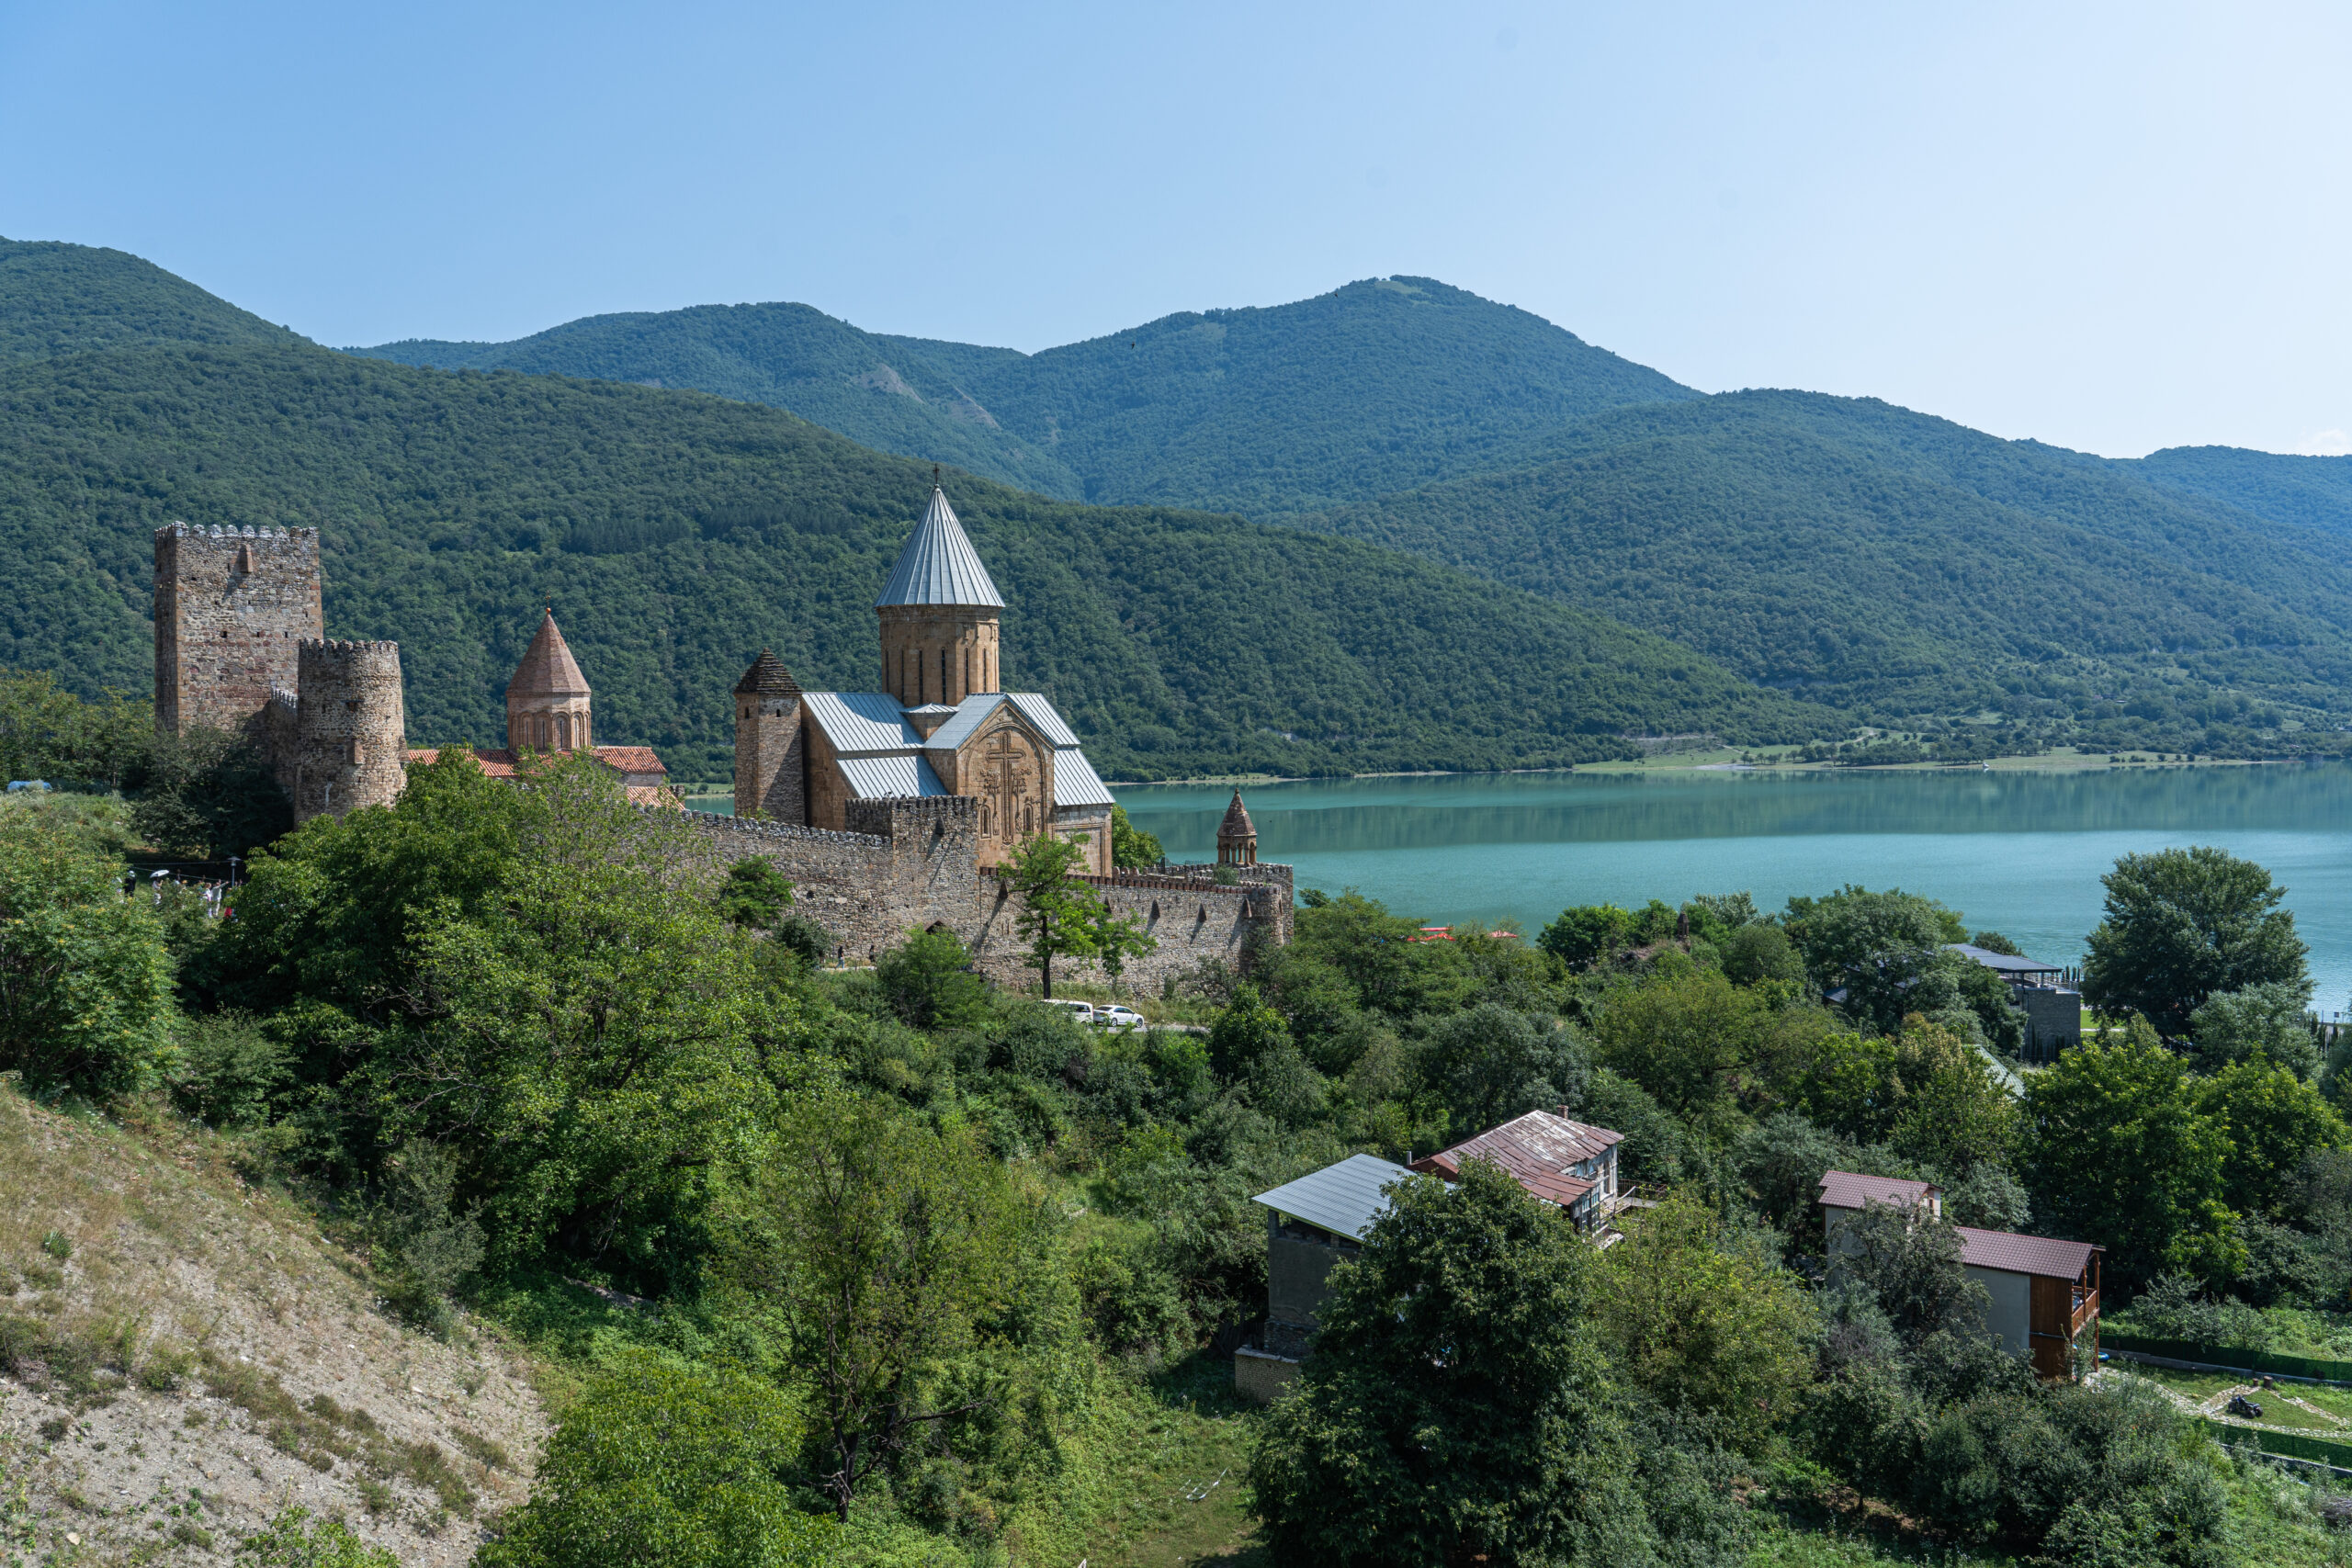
(1114,1016)
(1083,1011)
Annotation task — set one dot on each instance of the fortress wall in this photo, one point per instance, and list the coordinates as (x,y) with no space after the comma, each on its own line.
(232,608)
(1191,919)
(350,728)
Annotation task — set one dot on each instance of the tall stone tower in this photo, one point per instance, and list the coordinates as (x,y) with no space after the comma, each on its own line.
(232,608)
(939,612)
(771,756)
(350,729)
(1237,835)
(547,702)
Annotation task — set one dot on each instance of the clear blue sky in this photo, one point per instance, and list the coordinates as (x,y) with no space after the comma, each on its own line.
(2115,228)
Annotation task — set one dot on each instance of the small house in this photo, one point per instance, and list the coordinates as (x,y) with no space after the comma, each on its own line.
(1556,1158)
(2053,1009)
(1312,1223)
(2041,1295)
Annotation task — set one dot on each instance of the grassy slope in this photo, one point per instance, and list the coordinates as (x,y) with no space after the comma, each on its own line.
(1871,555)
(202,1355)
(676,534)
(1370,387)
(58,299)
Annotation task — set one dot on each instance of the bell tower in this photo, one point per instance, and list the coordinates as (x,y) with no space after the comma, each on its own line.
(547,702)
(940,613)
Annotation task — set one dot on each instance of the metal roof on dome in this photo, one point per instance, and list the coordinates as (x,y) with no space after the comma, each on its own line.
(1343,1198)
(939,565)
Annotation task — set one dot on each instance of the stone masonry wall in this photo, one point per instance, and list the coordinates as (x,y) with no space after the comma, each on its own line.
(771,758)
(350,729)
(232,608)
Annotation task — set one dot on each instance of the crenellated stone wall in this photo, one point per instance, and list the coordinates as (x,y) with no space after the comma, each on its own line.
(232,608)
(350,729)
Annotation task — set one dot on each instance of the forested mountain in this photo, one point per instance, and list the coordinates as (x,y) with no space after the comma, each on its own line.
(1903,564)
(1372,387)
(676,534)
(2310,492)
(59,299)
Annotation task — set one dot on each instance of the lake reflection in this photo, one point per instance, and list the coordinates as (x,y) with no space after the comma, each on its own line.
(2020,852)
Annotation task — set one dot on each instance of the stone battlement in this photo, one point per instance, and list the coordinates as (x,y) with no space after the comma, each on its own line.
(341,647)
(183,530)
(751,827)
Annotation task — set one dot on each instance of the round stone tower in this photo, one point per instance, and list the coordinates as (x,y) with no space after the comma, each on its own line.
(547,702)
(771,759)
(940,613)
(1237,835)
(350,728)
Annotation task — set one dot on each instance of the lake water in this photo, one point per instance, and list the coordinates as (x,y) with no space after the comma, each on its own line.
(2020,853)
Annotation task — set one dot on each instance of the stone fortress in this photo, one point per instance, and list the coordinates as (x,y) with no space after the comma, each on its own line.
(887,810)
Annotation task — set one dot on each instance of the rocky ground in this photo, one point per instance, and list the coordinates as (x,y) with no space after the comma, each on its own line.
(182,1355)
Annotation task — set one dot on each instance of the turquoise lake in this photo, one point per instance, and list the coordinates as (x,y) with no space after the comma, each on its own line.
(2020,852)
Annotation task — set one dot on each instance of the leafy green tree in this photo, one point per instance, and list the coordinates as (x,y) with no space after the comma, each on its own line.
(660,1465)
(1782,1159)
(2117,1151)
(1956,1113)
(1245,1030)
(2182,925)
(1988,1198)
(47,732)
(1994,941)
(1132,848)
(2274,1120)
(1057,910)
(890,1246)
(1910,1260)
(290,1540)
(753,892)
(929,983)
(2264,1022)
(1115,937)
(1457,1402)
(207,795)
(1699,1045)
(1845,936)
(86,981)
(1491,1063)
(1708,1324)
(1757,952)
(1587,933)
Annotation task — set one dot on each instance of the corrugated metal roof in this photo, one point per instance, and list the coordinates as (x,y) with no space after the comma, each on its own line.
(861,721)
(875,778)
(2014,1254)
(1075,781)
(1539,1150)
(939,565)
(1845,1189)
(1343,1198)
(2008,963)
(969,712)
(1040,712)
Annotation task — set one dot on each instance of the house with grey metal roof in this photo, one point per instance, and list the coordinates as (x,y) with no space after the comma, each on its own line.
(1313,1225)
(2044,992)
(942,725)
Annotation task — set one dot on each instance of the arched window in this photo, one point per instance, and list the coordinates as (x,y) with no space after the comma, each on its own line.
(562,732)
(943,675)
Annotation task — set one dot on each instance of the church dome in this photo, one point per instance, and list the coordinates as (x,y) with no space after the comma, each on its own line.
(939,565)
(548,669)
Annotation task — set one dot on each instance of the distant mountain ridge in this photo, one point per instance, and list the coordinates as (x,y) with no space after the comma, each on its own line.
(58,299)
(1372,387)
(2310,492)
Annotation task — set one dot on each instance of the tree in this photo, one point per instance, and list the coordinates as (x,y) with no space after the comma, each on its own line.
(929,983)
(1956,1113)
(1695,1041)
(1456,1405)
(2258,1023)
(1245,1030)
(753,892)
(1845,936)
(2182,925)
(1587,933)
(1491,1063)
(207,795)
(2274,1120)
(1115,937)
(660,1466)
(1758,951)
(1132,848)
(889,1245)
(1057,910)
(86,981)
(1707,1325)
(1910,1260)
(2117,1151)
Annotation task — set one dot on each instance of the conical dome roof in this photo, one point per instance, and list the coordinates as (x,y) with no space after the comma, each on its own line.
(1237,823)
(939,565)
(548,669)
(767,677)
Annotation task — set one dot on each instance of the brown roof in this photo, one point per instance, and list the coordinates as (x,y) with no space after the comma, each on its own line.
(1845,1190)
(499,762)
(548,669)
(1237,824)
(2014,1254)
(767,677)
(1539,1149)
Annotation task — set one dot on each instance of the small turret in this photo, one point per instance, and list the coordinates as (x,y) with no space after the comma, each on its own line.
(350,728)
(1237,835)
(771,758)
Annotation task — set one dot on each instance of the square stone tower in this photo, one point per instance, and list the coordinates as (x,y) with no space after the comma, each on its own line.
(232,608)
(771,752)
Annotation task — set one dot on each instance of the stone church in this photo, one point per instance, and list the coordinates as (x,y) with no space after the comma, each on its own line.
(940,727)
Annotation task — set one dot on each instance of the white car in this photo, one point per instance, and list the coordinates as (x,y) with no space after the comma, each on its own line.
(1083,1011)
(1118,1018)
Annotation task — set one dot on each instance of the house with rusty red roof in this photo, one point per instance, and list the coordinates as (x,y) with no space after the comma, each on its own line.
(1555,1157)
(2041,1293)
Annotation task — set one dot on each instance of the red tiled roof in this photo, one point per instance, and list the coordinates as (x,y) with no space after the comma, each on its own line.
(1845,1190)
(2014,1254)
(499,761)
(631,758)
(1539,1149)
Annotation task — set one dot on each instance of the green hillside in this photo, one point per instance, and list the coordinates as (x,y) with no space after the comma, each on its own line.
(59,299)
(2310,492)
(1372,387)
(1905,565)
(676,534)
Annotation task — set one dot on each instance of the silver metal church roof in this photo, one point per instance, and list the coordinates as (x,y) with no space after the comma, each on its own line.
(939,565)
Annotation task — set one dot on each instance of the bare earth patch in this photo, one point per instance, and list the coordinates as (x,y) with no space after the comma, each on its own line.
(182,1355)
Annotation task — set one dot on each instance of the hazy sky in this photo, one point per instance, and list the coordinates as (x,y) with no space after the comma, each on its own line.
(2115,228)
